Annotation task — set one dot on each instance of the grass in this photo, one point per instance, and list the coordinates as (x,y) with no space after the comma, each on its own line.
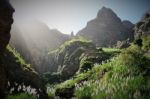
(19,59)
(86,75)
(111,50)
(123,77)
(16,54)
(21,96)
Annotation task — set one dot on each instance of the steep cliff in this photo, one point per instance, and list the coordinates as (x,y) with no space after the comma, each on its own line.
(6,12)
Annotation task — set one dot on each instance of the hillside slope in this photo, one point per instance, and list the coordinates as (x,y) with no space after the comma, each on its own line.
(71,58)
(21,75)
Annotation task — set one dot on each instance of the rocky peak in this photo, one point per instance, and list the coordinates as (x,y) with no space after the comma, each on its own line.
(107,28)
(105,11)
(107,14)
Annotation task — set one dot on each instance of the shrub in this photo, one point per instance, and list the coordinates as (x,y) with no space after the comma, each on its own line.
(85,65)
(146,43)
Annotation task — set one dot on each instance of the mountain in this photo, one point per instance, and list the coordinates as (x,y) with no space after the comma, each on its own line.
(37,40)
(107,28)
(38,33)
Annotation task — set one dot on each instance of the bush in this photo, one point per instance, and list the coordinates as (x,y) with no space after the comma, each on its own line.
(86,65)
(146,43)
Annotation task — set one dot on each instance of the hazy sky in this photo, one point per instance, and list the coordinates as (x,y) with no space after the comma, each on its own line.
(72,15)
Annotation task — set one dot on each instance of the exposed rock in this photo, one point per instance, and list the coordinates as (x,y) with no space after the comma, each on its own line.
(66,59)
(5,23)
(73,57)
(107,28)
(143,26)
(6,12)
(65,93)
(122,44)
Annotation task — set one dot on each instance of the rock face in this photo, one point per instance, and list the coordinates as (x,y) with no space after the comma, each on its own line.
(5,23)
(6,12)
(143,26)
(66,59)
(107,28)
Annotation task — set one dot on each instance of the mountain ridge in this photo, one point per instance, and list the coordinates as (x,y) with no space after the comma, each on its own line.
(106,29)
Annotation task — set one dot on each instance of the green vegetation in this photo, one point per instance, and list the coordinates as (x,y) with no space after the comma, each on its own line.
(100,72)
(18,58)
(87,72)
(20,76)
(111,49)
(124,77)
(146,42)
(21,96)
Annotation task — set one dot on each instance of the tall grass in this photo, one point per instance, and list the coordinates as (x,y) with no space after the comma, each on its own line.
(123,77)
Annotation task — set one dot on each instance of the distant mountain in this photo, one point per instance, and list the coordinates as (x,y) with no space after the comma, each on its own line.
(37,40)
(38,34)
(107,28)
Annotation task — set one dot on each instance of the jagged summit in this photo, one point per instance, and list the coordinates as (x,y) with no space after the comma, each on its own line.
(107,28)
(106,12)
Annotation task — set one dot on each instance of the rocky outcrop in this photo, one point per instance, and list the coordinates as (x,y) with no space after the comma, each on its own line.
(66,59)
(107,28)
(143,26)
(5,23)
(6,12)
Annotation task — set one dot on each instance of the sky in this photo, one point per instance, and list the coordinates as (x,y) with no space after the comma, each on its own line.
(73,15)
